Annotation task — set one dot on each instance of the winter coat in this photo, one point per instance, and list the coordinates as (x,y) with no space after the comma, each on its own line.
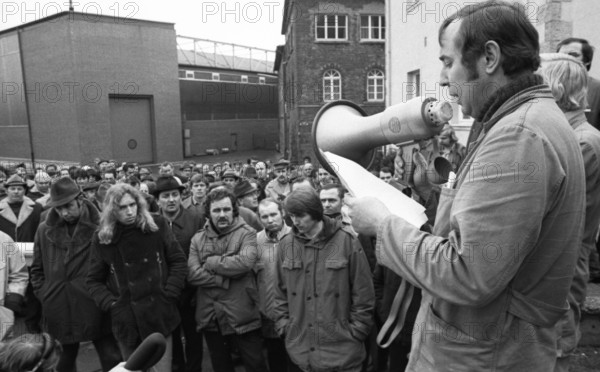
(58,273)
(266,266)
(221,265)
(496,271)
(13,279)
(23,227)
(138,276)
(324,298)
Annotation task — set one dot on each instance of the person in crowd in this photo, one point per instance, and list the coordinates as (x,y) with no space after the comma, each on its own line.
(30,353)
(110,176)
(270,213)
(199,188)
(230,178)
(89,191)
(52,170)
(302,182)
(144,188)
(64,172)
(584,52)
(450,148)
(533,225)
(102,165)
(323,177)
(19,218)
(60,266)
(332,198)
(279,187)
(184,224)
(307,170)
(14,279)
(137,271)
(324,297)
(221,263)
(567,78)
(186,170)
(81,177)
(145,172)
(42,186)
(129,170)
(166,169)
(100,195)
(246,195)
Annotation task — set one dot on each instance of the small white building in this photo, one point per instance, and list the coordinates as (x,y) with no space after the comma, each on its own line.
(412,48)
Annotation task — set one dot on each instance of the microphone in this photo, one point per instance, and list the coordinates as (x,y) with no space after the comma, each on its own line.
(148,353)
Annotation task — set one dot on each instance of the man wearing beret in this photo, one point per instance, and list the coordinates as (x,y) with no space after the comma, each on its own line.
(60,266)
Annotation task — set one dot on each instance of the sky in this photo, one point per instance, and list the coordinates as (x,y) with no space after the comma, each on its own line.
(244,22)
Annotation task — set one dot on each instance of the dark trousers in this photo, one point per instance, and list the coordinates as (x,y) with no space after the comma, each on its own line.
(277,355)
(397,356)
(190,359)
(249,345)
(106,347)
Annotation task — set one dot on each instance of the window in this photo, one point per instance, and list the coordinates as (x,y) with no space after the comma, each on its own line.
(331,27)
(332,85)
(244,78)
(375,84)
(189,74)
(261,80)
(216,76)
(413,86)
(372,27)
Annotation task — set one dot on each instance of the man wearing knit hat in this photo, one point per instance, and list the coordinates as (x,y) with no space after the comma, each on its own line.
(41,188)
(60,266)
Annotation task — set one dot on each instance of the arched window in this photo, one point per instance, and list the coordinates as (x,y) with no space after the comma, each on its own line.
(375,84)
(332,85)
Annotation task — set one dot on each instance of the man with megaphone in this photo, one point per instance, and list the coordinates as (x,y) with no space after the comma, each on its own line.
(496,271)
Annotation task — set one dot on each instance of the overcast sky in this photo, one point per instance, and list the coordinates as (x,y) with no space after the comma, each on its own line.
(251,23)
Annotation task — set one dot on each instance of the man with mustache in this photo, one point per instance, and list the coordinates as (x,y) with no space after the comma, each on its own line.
(221,265)
(280,187)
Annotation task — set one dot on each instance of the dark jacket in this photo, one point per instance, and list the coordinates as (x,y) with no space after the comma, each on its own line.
(23,227)
(60,265)
(324,298)
(221,265)
(138,276)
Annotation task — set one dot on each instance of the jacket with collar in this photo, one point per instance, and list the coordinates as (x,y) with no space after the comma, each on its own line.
(589,142)
(324,298)
(20,228)
(221,265)
(60,266)
(139,277)
(185,225)
(496,271)
(268,251)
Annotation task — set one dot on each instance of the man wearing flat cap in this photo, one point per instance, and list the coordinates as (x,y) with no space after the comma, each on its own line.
(247,195)
(184,223)
(280,187)
(230,178)
(60,266)
(19,215)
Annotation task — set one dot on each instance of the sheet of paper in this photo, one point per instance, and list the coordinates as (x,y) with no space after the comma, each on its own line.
(361,182)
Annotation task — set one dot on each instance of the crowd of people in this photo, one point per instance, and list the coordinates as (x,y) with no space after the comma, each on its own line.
(278,268)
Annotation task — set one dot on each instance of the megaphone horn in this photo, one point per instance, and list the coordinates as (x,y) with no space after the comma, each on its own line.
(343,128)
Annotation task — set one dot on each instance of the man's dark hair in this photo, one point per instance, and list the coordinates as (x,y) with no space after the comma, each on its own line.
(386,170)
(81,173)
(304,201)
(340,189)
(219,194)
(506,24)
(51,165)
(127,166)
(587,51)
(73,172)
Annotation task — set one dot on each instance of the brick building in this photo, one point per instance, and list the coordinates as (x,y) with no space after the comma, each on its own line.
(333,50)
(78,86)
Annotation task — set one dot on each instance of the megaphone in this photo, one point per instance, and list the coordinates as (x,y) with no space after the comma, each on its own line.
(343,128)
